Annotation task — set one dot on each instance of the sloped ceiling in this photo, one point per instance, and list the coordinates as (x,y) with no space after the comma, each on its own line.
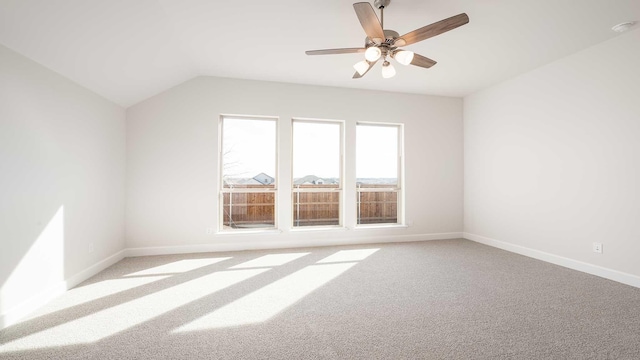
(129,50)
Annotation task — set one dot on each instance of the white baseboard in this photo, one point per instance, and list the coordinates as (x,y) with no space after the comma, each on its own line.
(619,276)
(94,269)
(18,312)
(231,245)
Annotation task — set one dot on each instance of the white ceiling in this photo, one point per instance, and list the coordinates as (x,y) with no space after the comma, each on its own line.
(128,50)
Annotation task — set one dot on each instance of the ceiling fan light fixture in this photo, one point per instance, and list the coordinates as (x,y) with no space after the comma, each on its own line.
(388,71)
(404,57)
(372,53)
(361,67)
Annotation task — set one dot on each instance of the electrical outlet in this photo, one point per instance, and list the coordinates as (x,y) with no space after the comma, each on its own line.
(597,247)
(92,247)
(210,230)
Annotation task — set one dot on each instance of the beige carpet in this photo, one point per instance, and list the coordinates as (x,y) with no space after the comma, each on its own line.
(429,300)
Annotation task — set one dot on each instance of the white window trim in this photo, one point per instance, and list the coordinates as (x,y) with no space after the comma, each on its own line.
(340,189)
(222,190)
(399,188)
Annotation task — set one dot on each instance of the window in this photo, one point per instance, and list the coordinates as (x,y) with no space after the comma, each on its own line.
(248,192)
(378,169)
(248,172)
(317,173)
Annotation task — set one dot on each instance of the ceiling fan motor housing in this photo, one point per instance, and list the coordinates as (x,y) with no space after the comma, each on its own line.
(389,44)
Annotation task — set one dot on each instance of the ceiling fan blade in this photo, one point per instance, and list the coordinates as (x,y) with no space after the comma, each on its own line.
(357,74)
(369,20)
(434,29)
(422,61)
(335,51)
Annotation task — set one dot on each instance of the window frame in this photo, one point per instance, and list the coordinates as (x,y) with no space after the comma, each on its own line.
(221,188)
(340,189)
(398,188)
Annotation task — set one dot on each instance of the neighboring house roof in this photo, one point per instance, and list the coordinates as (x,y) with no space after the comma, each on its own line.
(264,179)
(241,181)
(377,181)
(313,180)
(306,180)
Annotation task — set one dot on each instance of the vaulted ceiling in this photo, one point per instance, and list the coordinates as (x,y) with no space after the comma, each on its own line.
(129,50)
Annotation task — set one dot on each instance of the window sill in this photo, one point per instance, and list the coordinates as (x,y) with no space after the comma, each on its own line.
(319,228)
(249,231)
(380,226)
(310,229)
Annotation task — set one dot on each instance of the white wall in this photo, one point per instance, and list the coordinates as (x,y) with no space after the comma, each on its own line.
(62,163)
(172,163)
(552,160)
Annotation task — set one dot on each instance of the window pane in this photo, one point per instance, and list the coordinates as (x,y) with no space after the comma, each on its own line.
(246,210)
(376,155)
(316,153)
(248,152)
(377,207)
(316,173)
(248,173)
(316,208)
(377,169)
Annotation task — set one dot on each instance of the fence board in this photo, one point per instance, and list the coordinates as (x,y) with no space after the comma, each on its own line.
(314,208)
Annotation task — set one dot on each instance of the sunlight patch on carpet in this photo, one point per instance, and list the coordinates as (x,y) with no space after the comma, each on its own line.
(348,255)
(95,291)
(178,267)
(268,301)
(270,260)
(116,319)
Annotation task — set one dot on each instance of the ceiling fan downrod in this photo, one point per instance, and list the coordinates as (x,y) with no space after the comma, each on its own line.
(381,4)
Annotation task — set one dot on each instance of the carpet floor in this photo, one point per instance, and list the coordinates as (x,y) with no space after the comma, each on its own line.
(450,299)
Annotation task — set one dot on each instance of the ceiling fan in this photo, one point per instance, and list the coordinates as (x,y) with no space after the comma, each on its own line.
(381,43)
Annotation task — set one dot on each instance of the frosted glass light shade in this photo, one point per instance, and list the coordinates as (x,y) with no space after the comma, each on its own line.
(388,71)
(372,53)
(404,57)
(361,67)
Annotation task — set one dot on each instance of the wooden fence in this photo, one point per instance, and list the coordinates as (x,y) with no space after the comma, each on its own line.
(378,206)
(316,208)
(256,209)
